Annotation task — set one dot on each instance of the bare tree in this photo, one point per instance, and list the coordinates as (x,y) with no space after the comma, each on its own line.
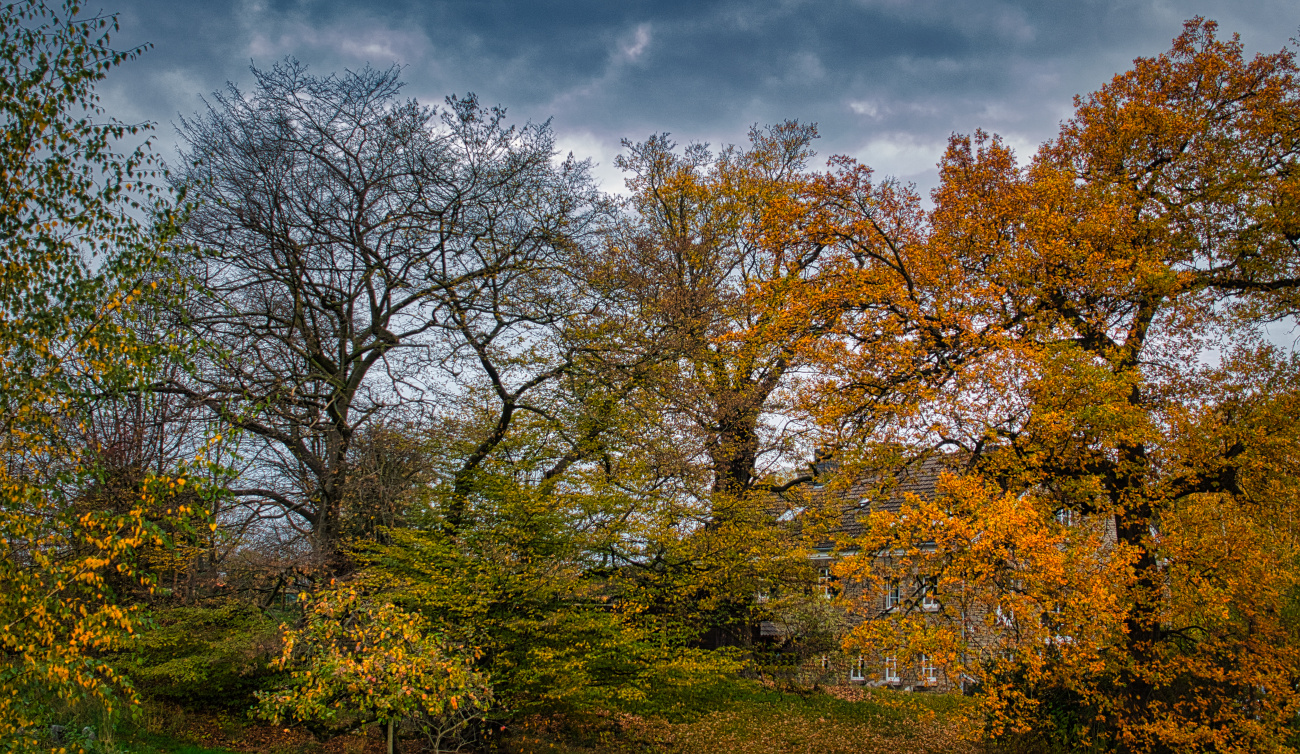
(349,242)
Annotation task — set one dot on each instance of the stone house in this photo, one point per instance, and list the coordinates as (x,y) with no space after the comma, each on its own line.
(833,666)
(983,626)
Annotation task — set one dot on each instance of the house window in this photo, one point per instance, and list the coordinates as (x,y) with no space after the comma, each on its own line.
(824,579)
(891,670)
(929,673)
(893,595)
(826,662)
(761,596)
(859,671)
(929,594)
(1065,517)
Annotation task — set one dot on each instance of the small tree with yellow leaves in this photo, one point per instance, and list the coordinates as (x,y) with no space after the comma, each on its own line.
(357,661)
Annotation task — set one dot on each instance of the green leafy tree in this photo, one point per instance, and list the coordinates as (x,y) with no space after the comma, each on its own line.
(205,656)
(528,584)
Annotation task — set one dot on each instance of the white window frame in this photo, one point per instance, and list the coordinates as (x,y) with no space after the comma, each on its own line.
(893,595)
(826,662)
(929,671)
(858,671)
(1065,516)
(891,670)
(929,595)
(824,579)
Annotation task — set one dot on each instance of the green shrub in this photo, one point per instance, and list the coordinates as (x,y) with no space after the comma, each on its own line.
(549,638)
(205,656)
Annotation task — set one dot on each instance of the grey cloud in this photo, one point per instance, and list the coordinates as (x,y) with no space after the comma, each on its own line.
(887,80)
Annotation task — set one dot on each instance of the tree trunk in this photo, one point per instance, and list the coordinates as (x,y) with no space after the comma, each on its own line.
(736,451)
(1133,523)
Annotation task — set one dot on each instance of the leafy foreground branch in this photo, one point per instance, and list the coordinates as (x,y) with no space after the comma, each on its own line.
(76,260)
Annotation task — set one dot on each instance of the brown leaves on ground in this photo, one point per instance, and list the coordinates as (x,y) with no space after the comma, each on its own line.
(233,734)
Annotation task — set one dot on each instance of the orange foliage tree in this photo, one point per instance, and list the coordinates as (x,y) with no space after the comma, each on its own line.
(1116,561)
(705,270)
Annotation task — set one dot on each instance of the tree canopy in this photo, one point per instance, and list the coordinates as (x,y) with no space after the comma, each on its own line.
(1129,395)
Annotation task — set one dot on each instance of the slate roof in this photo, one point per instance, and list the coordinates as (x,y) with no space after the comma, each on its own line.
(920,478)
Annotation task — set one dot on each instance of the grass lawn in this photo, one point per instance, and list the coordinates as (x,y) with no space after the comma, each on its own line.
(738,716)
(746,717)
(145,743)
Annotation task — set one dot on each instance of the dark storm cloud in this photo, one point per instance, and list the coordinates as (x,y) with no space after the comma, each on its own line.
(887,80)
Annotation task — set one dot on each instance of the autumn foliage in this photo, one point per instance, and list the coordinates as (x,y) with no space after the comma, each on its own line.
(355,661)
(1115,549)
(493,445)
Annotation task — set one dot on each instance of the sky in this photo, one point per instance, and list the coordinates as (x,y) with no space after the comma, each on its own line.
(886,81)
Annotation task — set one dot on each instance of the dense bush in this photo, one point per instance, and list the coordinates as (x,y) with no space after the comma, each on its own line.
(205,656)
(554,633)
